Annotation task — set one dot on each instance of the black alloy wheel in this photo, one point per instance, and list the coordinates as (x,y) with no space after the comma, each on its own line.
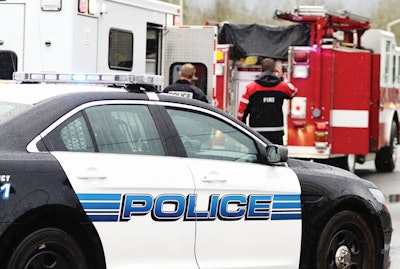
(346,242)
(47,248)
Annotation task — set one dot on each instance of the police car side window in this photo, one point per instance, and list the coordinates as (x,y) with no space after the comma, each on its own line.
(71,135)
(206,137)
(125,129)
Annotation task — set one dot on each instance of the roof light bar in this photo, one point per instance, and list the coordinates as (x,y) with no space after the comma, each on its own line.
(94,78)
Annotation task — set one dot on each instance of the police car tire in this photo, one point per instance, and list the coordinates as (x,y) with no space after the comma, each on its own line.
(346,230)
(47,248)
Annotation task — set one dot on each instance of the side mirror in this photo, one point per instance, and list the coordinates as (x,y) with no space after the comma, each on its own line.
(276,154)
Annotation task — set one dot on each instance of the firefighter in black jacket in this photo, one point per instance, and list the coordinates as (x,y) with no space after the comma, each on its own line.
(263,100)
(183,87)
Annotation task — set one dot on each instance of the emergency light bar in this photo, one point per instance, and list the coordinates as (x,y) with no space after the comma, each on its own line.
(94,78)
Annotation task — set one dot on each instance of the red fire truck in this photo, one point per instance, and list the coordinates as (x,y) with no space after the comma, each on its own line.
(348,106)
(347,109)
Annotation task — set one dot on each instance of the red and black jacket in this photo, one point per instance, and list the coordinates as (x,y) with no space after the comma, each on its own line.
(263,100)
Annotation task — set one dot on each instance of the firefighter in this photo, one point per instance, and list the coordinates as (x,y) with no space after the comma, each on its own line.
(263,100)
(183,86)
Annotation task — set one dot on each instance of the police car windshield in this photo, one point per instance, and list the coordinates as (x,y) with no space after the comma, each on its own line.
(10,110)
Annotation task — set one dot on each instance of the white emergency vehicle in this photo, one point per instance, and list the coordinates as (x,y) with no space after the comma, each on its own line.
(141,36)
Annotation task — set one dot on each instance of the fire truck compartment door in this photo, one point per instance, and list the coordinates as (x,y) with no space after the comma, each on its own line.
(350,101)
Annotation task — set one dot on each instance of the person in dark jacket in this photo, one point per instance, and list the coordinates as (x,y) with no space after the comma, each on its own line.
(183,86)
(263,100)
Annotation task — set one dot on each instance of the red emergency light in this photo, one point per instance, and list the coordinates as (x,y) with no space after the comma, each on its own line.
(301,57)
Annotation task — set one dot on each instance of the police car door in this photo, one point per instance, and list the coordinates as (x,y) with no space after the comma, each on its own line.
(248,214)
(133,194)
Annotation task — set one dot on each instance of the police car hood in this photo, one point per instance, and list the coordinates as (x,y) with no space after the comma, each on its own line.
(326,176)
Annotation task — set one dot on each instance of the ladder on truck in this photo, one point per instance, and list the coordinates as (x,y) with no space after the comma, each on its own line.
(322,19)
(323,11)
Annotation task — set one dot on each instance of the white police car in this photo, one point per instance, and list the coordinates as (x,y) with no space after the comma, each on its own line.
(99,177)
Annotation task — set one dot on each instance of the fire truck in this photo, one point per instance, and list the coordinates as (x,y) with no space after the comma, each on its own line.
(347,108)
(93,36)
(348,105)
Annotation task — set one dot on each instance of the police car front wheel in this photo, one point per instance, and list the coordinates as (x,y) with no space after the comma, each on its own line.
(47,248)
(346,242)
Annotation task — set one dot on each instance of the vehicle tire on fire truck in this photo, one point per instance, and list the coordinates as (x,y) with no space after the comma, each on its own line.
(347,162)
(386,157)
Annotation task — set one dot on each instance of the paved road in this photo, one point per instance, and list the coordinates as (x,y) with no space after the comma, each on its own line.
(389,183)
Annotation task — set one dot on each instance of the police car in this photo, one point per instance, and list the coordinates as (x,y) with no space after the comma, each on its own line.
(121,177)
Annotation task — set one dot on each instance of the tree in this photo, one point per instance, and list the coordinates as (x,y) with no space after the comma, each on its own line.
(237,11)
(261,11)
(386,13)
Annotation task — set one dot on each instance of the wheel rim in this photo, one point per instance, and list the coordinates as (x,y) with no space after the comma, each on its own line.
(343,257)
(394,151)
(345,250)
(50,258)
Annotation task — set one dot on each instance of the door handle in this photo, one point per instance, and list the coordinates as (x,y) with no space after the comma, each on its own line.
(91,173)
(213,177)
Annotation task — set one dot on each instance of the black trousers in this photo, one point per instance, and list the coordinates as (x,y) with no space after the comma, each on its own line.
(274,137)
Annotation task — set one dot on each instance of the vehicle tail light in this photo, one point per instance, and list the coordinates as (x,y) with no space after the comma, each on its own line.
(321,131)
(299,123)
(87,6)
(301,57)
(321,136)
(83,6)
(321,125)
(300,64)
(177,20)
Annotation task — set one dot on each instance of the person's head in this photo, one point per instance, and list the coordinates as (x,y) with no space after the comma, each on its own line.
(268,64)
(187,72)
